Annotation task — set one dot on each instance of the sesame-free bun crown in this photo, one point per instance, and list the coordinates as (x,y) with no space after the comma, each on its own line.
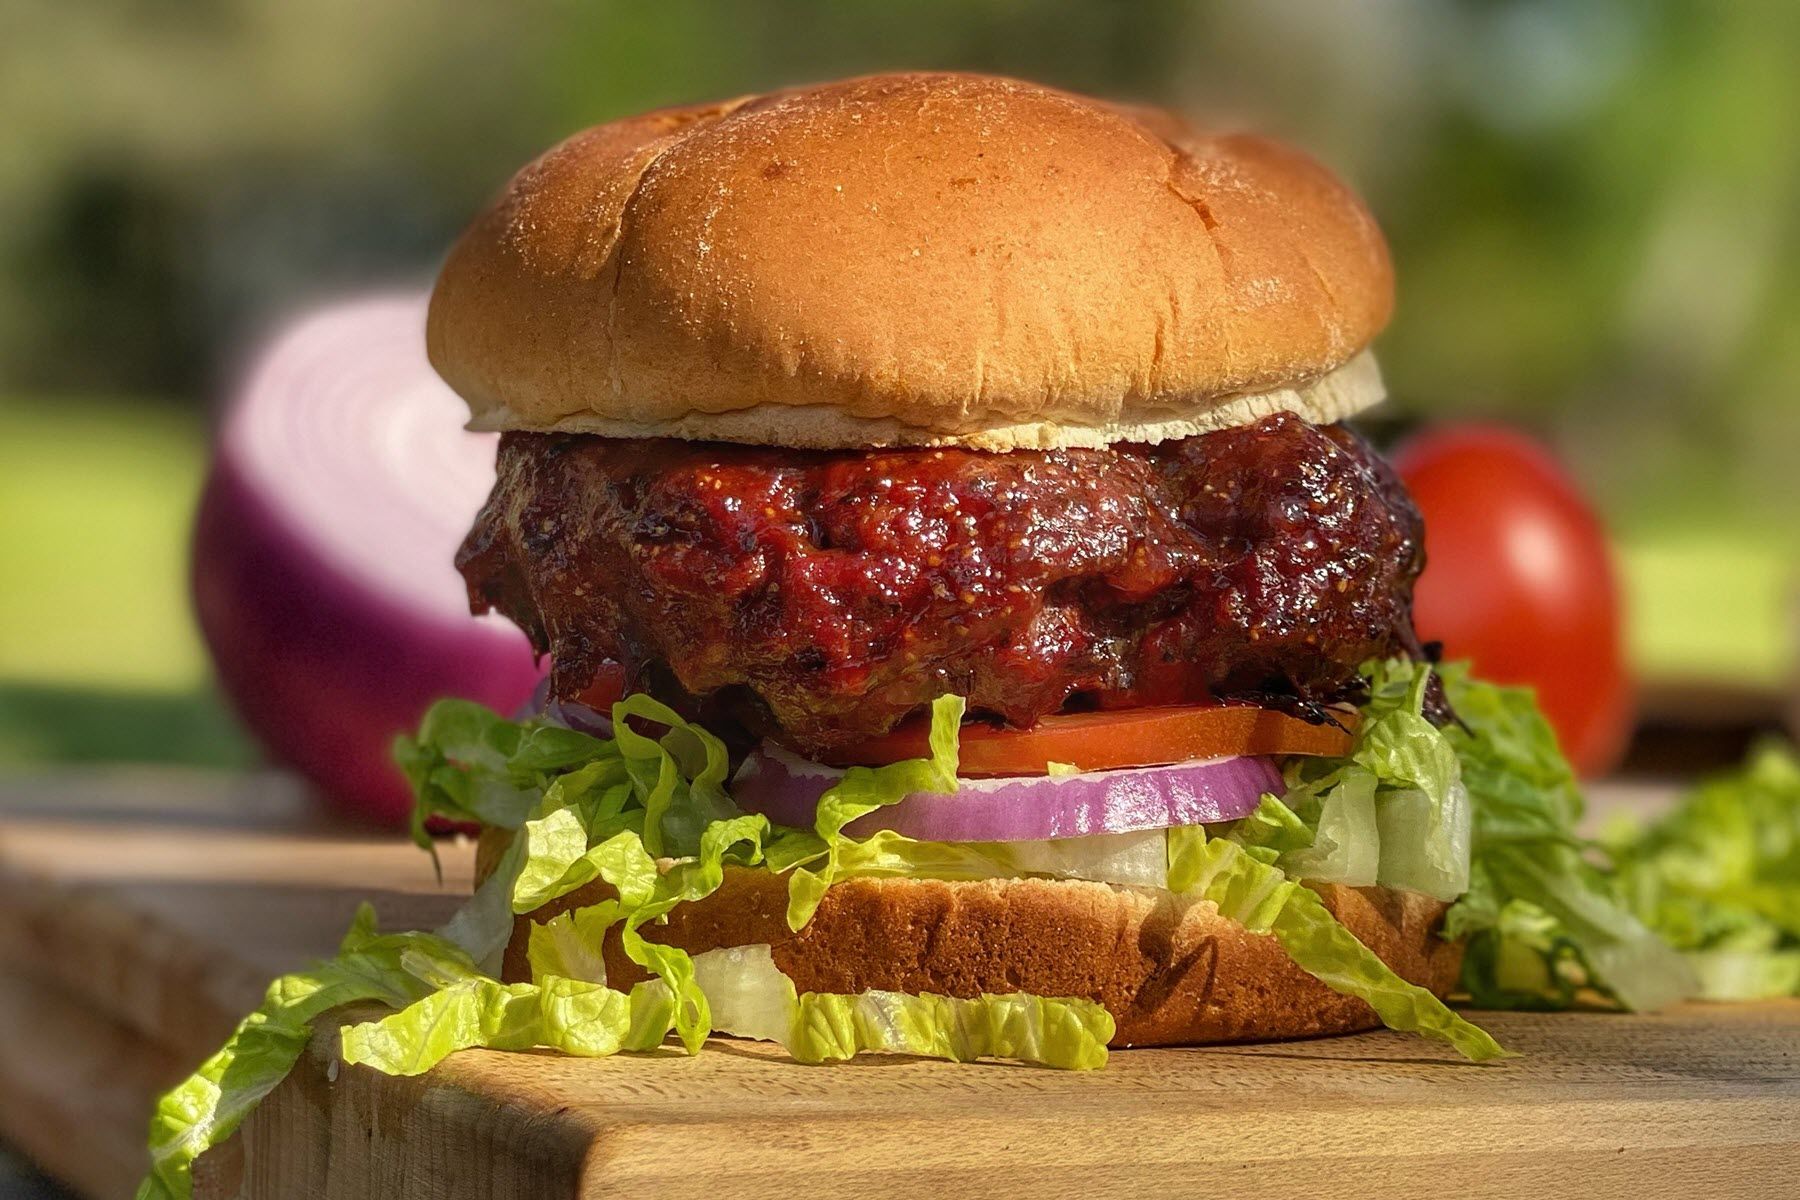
(913,259)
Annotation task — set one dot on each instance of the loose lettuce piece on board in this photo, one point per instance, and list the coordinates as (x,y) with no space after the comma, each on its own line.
(1718,876)
(199,1113)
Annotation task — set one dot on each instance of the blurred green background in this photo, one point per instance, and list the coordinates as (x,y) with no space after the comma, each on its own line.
(1594,206)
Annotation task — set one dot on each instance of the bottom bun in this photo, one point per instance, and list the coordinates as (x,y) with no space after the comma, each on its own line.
(1172,971)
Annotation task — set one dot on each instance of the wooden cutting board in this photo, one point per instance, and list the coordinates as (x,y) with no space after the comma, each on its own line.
(139,915)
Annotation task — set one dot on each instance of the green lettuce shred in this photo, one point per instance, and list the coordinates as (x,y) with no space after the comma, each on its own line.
(1393,812)
(204,1110)
(470,765)
(1067,1033)
(1718,876)
(569,1015)
(750,997)
(1544,923)
(1263,899)
(861,791)
(568,944)
(1484,811)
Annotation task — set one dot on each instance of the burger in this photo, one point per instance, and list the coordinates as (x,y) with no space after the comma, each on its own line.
(822,405)
(973,628)
(932,410)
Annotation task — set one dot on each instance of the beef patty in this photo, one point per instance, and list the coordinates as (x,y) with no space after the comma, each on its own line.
(823,596)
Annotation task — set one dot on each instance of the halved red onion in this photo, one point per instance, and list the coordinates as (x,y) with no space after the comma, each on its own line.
(786,789)
(322,570)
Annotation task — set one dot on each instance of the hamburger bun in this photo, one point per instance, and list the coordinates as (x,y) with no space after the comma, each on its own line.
(913,259)
(1172,971)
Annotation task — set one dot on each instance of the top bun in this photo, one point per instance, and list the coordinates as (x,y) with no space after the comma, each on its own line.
(913,259)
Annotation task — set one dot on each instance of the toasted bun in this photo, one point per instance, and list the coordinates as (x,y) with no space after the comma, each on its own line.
(913,259)
(1170,970)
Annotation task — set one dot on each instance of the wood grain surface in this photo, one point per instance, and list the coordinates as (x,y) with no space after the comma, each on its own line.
(139,915)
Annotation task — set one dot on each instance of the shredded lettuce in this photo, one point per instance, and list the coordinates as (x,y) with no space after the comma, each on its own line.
(482,927)
(470,765)
(1531,874)
(1392,813)
(679,779)
(687,881)
(750,997)
(1067,1033)
(1483,811)
(574,1017)
(862,790)
(568,944)
(642,892)
(204,1110)
(1261,898)
(1718,876)
(1139,859)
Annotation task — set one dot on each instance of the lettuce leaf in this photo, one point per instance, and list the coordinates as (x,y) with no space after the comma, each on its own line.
(568,944)
(747,992)
(746,996)
(750,997)
(1718,876)
(468,764)
(685,882)
(679,779)
(862,790)
(572,1016)
(643,893)
(1483,812)
(587,809)
(1066,1033)
(1261,898)
(1393,812)
(482,927)
(1139,859)
(1531,873)
(1343,846)
(204,1110)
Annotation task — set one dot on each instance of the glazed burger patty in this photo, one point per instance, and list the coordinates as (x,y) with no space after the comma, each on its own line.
(823,596)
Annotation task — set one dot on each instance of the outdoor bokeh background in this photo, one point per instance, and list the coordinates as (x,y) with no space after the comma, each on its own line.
(1594,206)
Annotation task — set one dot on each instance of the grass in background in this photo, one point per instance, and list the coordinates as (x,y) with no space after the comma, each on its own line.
(47,724)
(1720,605)
(99,658)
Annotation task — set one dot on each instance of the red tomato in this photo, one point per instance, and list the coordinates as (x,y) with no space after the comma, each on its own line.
(1519,580)
(1125,737)
(606,687)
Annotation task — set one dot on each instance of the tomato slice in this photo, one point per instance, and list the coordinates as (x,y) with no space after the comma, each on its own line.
(606,687)
(1130,737)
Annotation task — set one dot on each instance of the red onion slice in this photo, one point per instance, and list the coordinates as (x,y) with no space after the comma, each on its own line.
(322,570)
(1026,808)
